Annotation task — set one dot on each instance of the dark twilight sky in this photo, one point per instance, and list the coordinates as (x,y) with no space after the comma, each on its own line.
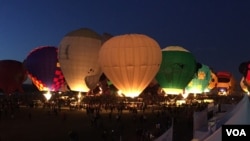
(217,32)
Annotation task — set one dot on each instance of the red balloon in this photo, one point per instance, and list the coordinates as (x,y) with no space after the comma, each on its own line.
(12,76)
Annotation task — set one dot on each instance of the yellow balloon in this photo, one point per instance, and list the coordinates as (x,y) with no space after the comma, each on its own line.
(243,85)
(213,82)
(130,62)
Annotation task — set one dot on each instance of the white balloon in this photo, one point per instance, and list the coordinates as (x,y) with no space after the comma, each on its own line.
(78,57)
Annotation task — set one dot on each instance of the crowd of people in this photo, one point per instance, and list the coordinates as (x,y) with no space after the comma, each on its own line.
(109,118)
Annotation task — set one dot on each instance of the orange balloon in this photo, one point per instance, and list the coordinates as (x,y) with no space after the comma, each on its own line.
(130,62)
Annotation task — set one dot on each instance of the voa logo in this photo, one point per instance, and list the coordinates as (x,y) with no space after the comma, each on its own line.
(236,132)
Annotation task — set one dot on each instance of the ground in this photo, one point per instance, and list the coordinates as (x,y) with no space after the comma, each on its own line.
(38,124)
(44,124)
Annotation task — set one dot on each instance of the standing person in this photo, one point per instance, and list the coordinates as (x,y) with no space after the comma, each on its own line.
(30,116)
(104,135)
(0,115)
(64,116)
(73,136)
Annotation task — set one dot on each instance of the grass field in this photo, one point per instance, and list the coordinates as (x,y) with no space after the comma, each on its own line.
(37,124)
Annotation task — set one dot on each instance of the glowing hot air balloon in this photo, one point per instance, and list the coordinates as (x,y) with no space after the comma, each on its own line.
(43,68)
(78,57)
(213,81)
(244,86)
(200,81)
(244,69)
(177,69)
(12,76)
(225,82)
(130,62)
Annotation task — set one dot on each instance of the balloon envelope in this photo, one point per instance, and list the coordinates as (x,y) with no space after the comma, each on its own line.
(12,76)
(78,57)
(130,62)
(213,82)
(200,81)
(44,69)
(244,69)
(177,69)
(225,82)
(244,86)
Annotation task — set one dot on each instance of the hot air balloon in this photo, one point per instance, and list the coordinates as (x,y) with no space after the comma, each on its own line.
(78,57)
(225,82)
(244,69)
(244,86)
(12,76)
(44,69)
(200,81)
(213,81)
(130,62)
(177,69)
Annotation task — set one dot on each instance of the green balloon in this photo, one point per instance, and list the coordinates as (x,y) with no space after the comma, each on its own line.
(177,69)
(200,81)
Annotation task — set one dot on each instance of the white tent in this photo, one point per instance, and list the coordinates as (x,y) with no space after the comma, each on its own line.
(240,116)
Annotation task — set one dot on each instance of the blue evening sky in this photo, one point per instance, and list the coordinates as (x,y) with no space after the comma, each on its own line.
(217,32)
